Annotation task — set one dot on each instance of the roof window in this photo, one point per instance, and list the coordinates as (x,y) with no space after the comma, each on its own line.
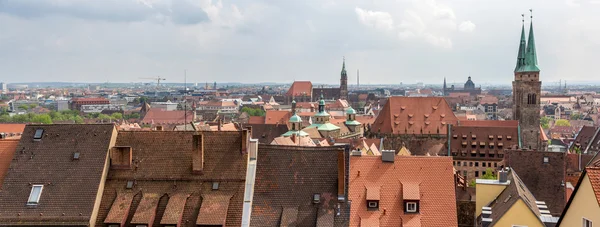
(38,134)
(316,198)
(34,196)
(76,156)
(215,186)
(129,184)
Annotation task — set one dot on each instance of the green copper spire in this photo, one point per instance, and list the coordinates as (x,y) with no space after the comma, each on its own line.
(530,55)
(522,47)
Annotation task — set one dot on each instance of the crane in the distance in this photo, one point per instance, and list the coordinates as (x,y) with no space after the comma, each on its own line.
(158,79)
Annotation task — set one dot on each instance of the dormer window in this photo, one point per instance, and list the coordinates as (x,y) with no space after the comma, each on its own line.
(411,207)
(373,204)
(372,198)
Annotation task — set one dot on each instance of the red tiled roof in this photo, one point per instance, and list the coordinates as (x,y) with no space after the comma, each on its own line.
(489,100)
(7,150)
(300,88)
(12,128)
(160,116)
(213,210)
(256,120)
(594,175)
(277,117)
(414,115)
(459,94)
(146,210)
(489,123)
(437,204)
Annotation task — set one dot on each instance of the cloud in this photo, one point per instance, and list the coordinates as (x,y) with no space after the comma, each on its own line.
(375,19)
(466,26)
(179,11)
(439,41)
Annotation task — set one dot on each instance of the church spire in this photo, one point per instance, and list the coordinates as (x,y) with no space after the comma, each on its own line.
(344,74)
(522,47)
(530,55)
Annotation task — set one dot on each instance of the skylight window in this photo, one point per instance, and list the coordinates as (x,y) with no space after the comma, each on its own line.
(38,134)
(34,196)
(215,186)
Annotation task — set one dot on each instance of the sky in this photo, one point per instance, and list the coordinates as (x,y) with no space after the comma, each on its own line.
(252,41)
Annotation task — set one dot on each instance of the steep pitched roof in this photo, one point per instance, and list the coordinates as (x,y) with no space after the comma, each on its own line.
(544,180)
(256,120)
(414,115)
(489,100)
(495,140)
(433,176)
(490,123)
(266,133)
(50,162)
(513,192)
(7,150)
(162,166)
(594,175)
(300,88)
(287,178)
(277,117)
(160,116)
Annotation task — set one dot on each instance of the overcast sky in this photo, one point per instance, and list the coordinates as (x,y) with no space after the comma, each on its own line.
(389,41)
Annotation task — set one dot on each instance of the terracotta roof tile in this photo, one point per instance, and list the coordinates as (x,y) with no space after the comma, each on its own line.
(410,191)
(414,115)
(146,210)
(285,177)
(266,133)
(437,192)
(7,150)
(174,210)
(300,88)
(12,128)
(490,123)
(120,208)
(373,192)
(214,209)
(256,120)
(160,116)
(326,218)
(594,175)
(289,216)
(79,180)
(277,117)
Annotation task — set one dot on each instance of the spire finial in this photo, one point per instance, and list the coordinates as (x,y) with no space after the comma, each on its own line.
(531,12)
(523,18)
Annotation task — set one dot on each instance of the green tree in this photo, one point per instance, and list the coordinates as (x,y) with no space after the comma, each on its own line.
(133,116)
(545,122)
(104,117)
(489,174)
(562,122)
(78,119)
(576,116)
(5,118)
(116,116)
(42,118)
(253,111)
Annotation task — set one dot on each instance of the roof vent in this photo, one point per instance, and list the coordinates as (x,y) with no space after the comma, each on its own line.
(316,198)
(502,176)
(76,156)
(38,134)
(356,153)
(387,155)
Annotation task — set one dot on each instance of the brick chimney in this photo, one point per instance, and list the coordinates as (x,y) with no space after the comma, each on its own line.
(219,124)
(198,154)
(246,135)
(121,157)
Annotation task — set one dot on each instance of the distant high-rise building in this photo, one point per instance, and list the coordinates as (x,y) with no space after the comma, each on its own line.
(3,87)
(215,85)
(527,90)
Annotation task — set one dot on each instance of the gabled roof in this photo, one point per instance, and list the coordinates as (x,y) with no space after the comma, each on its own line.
(266,133)
(593,173)
(514,191)
(162,166)
(49,162)
(7,150)
(433,176)
(160,116)
(414,115)
(300,88)
(287,178)
(277,117)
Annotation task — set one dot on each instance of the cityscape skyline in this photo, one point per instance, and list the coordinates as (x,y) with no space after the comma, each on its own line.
(389,42)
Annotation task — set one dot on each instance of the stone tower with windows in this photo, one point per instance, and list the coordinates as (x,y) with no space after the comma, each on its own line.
(344,82)
(526,92)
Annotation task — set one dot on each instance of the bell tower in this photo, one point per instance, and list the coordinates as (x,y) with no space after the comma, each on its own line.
(527,90)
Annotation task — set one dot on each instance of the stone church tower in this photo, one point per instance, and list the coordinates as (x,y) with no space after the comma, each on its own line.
(344,82)
(526,92)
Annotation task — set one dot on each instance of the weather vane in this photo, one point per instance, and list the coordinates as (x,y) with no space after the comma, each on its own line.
(531,11)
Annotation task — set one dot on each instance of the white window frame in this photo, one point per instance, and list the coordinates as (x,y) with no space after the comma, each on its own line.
(373,203)
(411,210)
(585,220)
(519,226)
(29,201)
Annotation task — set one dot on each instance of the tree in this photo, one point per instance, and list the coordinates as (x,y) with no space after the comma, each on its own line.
(562,122)
(253,111)
(116,116)
(78,119)
(132,116)
(545,122)
(489,174)
(576,116)
(104,117)
(42,118)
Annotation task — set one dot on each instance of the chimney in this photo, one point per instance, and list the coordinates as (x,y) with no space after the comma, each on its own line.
(388,155)
(502,176)
(293,137)
(120,157)
(356,152)
(159,128)
(198,154)
(246,135)
(219,124)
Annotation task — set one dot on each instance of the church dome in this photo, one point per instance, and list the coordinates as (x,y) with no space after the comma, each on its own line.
(295,118)
(469,84)
(350,111)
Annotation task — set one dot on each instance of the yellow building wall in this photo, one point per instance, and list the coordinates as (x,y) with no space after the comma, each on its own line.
(486,193)
(584,205)
(519,214)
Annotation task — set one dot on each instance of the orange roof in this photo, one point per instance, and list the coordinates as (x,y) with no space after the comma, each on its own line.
(300,88)
(414,115)
(427,179)
(365,119)
(256,120)
(459,94)
(489,100)
(160,116)
(12,128)
(277,117)
(490,123)
(594,175)
(7,150)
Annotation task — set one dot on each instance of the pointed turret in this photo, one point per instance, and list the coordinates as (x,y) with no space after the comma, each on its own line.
(530,55)
(522,48)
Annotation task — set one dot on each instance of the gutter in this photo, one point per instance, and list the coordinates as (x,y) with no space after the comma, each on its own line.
(519,133)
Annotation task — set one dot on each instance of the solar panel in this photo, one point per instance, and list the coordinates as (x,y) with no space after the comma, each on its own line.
(38,134)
